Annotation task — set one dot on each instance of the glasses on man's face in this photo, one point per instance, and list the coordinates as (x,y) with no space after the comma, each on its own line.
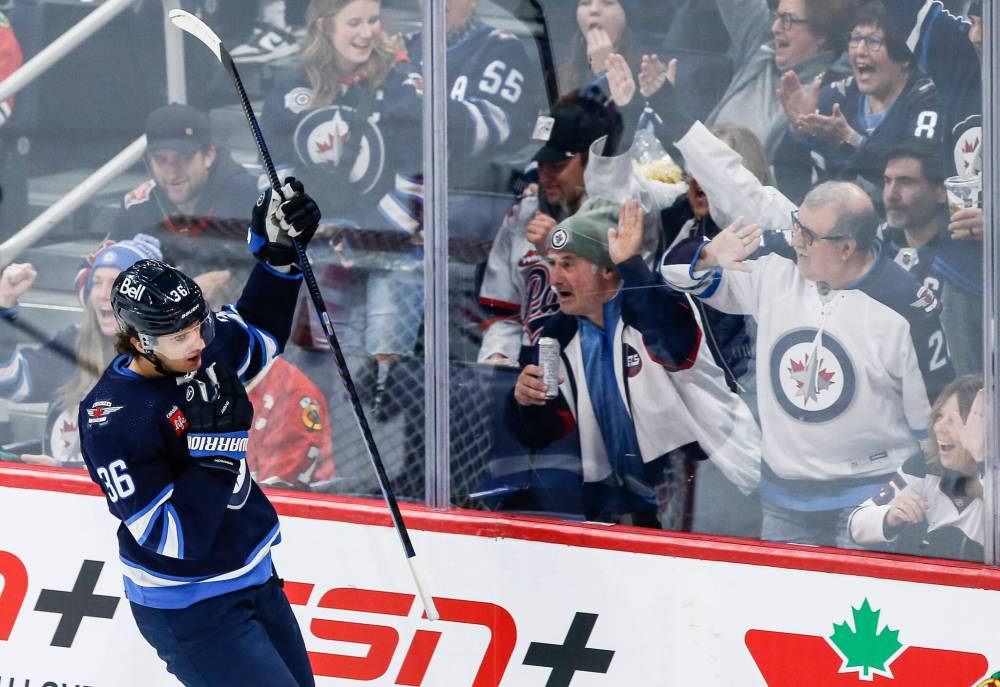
(787,19)
(810,236)
(873,43)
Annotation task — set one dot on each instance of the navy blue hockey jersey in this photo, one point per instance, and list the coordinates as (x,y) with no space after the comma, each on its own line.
(916,113)
(187,533)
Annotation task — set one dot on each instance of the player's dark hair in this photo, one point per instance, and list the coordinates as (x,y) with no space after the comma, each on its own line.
(873,13)
(123,342)
(932,164)
(831,21)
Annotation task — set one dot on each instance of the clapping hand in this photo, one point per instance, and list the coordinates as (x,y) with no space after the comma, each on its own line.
(621,83)
(832,128)
(625,241)
(652,74)
(731,247)
(796,100)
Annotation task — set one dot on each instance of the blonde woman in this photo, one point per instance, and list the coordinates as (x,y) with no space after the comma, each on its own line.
(321,118)
(933,505)
(78,353)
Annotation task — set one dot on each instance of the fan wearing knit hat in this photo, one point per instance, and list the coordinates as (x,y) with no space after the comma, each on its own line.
(634,376)
(63,369)
(585,275)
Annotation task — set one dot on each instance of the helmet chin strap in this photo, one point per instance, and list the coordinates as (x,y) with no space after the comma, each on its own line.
(147,353)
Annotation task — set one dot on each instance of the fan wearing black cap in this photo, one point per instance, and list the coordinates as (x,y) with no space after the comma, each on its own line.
(164,434)
(515,290)
(194,203)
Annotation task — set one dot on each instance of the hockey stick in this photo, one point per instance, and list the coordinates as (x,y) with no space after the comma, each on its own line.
(196,27)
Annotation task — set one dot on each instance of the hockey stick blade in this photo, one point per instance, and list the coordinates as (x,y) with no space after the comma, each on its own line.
(187,22)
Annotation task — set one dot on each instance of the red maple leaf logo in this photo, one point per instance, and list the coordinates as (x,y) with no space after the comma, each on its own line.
(970,146)
(331,141)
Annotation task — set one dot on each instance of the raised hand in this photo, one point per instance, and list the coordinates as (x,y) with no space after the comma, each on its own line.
(796,100)
(16,278)
(598,48)
(731,247)
(970,433)
(832,128)
(537,230)
(620,80)
(652,74)
(625,241)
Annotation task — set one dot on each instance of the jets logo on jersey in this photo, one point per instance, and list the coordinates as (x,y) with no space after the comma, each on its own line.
(98,413)
(968,137)
(812,383)
(338,141)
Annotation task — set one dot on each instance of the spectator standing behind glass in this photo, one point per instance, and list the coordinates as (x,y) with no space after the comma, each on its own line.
(949,49)
(194,202)
(858,120)
(62,370)
(933,505)
(516,288)
(849,346)
(618,331)
(916,218)
(804,37)
(604,29)
(322,118)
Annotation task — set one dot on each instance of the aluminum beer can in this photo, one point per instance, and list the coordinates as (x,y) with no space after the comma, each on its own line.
(548,360)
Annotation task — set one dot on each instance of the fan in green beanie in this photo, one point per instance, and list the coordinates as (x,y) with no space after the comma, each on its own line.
(586,233)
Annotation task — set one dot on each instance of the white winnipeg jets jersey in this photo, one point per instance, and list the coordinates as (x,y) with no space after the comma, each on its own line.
(843,377)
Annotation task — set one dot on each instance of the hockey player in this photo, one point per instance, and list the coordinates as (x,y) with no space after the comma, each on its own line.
(516,286)
(637,384)
(861,118)
(849,352)
(192,202)
(164,435)
(933,505)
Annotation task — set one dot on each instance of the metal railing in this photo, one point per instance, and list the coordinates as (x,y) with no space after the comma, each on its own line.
(42,62)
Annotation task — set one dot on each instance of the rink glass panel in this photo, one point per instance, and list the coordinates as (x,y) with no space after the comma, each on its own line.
(373,277)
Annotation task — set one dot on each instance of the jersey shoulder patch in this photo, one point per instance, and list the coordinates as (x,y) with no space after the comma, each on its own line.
(140,194)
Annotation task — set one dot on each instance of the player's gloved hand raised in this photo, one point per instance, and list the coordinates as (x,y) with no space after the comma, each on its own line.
(219,415)
(278,217)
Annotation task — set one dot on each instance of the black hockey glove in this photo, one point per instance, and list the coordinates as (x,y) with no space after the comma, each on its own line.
(219,415)
(280,217)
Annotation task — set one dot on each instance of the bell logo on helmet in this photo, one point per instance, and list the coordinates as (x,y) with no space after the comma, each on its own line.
(133,291)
